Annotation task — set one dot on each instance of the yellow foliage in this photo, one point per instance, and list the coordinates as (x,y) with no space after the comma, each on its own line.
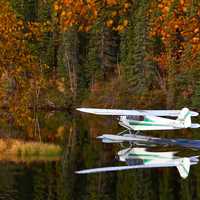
(196,30)
(56,7)
(109,23)
(20,148)
(20,74)
(111,2)
(69,12)
(180,38)
(179,23)
(125,22)
(60,85)
(60,131)
(126,5)
(120,28)
(114,13)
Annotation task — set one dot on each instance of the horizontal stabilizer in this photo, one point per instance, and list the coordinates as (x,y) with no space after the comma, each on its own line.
(185,117)
(195,126)
(184,167)
(172,113)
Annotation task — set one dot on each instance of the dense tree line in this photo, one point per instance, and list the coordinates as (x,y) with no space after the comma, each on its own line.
(110,53)
(70,53)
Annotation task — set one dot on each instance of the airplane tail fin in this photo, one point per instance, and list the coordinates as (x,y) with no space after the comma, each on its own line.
(184,167)
(185,117)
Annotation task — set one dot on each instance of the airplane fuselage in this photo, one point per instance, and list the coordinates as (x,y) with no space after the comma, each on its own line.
(146,156)
(136,155)
(150,123)
(139,120)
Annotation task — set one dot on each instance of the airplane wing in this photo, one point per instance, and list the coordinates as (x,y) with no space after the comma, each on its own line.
(172,113)
(120,168)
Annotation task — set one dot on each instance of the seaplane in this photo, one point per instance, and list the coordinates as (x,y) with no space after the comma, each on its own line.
(144,120)
(136,158)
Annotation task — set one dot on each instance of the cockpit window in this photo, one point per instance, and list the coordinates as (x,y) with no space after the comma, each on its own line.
(134,161)
(135,117)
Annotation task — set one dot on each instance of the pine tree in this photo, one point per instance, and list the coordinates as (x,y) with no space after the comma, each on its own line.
(136,51)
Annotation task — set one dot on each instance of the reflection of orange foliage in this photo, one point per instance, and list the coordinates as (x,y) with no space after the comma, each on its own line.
(19,148)
(60,132)
(85,13)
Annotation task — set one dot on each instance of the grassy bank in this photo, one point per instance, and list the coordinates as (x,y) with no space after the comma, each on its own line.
(21,148)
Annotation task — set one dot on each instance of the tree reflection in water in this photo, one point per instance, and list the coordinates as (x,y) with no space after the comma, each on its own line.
(52,180)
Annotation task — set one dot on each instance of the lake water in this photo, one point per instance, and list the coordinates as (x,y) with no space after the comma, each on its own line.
(55,179)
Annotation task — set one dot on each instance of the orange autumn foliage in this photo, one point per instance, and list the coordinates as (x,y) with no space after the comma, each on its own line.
(84,14)
(20,72)
(177,22)
(177,25)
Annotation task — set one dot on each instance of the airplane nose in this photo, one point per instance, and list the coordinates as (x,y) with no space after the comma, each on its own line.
(100,137)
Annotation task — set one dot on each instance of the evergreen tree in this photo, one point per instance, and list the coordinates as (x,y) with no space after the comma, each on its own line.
(135,51)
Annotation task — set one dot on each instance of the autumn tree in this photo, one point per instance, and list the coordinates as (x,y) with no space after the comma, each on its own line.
(21,74)
(86,14)
(82,23)
(175,30)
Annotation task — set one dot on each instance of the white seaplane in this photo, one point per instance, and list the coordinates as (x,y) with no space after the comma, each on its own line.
(142,120)
(140,158)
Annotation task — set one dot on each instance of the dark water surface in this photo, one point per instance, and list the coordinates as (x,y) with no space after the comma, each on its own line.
(56,179)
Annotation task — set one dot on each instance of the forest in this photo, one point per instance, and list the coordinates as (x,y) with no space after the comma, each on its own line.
(57,55)
(62,54)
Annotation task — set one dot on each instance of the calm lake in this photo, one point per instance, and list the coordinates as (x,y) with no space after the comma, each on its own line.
(54,178)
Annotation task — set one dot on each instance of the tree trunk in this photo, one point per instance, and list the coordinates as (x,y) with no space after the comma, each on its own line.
(69,50)
(109,52)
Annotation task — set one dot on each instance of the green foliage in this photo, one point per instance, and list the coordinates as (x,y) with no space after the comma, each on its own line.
(196,98)
(102,67)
